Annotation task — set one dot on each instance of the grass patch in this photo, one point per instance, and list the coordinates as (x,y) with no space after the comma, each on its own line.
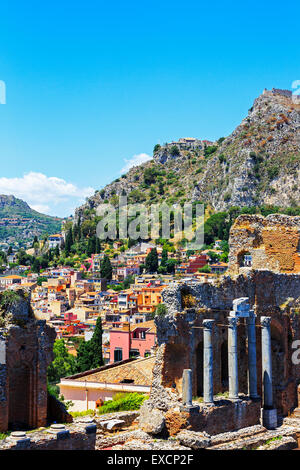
(277,438)
(123,402)
(75,414)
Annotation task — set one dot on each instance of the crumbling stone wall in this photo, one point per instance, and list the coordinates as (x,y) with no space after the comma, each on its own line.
(25,352)
(272,241)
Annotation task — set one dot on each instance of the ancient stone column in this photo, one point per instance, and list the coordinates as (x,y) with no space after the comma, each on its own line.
(269,413)
(252,371)
(266,362)
(208,394)
(187,394)
(232,359)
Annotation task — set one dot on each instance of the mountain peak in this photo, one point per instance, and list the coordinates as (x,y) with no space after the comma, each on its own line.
(257,164)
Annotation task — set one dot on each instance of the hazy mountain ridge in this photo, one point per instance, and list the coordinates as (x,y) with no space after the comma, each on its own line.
(18,222)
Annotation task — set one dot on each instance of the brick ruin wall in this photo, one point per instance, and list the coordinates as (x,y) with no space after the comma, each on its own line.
(273,243)
(26,350)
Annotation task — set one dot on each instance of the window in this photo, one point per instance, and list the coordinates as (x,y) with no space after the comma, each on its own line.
(118,354)
(134,353)
(143,335)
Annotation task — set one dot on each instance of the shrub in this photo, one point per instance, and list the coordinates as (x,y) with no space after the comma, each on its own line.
(273,172)
(205,269)
(210,150)
(174,151)
(126,402)
(8,298)
(161,310)
(222,158)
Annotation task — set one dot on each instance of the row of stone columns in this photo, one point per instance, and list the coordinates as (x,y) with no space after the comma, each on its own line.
(208,396)
(233,359)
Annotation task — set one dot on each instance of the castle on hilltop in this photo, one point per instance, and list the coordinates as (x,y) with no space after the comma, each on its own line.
(189,143)
(286,93)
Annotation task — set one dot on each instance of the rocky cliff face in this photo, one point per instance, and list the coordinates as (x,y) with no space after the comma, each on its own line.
(257,164)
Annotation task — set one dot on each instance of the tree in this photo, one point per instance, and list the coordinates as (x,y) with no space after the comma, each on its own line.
(164,257)
(106,269)
(35,266)
(35,241)
(171,263)
(41,279)
(96,345)
(64,364)
(91,248)
(151,261)
(89,353)
(56,251)
(98,246)
(214,257)
(69,241)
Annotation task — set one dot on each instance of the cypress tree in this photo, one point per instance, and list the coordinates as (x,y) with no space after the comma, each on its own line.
(96,345)
(98,246)
(56,251)
(89,353)
(91,248)
(151,262)
(164,257)
(69,242)
(106,269)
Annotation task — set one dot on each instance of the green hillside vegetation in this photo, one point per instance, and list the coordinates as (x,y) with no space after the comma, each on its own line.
(29,222)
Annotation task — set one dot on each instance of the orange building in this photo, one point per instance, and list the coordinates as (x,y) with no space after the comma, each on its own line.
(148,298)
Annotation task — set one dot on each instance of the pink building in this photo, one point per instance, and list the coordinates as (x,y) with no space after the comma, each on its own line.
(132,340)
(69,316)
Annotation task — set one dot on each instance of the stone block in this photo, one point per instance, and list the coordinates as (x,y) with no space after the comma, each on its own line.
(151,421)
(269,418)
(194,440)
(112,424)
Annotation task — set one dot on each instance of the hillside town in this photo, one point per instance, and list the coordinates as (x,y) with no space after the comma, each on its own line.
(72,299)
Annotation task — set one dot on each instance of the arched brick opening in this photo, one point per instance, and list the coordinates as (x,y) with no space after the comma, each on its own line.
(19,398)
(176,359)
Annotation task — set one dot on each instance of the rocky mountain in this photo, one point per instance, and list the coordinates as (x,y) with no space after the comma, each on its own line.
(19,223)
(258,164)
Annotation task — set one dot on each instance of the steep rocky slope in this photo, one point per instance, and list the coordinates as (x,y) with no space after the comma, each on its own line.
(257,164)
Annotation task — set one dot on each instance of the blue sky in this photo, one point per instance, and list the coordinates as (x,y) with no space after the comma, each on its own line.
(92,85)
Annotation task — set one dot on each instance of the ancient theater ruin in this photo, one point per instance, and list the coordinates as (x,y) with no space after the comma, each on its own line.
(225,348)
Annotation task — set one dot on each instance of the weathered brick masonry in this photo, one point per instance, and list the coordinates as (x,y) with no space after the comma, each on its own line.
(25,352)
